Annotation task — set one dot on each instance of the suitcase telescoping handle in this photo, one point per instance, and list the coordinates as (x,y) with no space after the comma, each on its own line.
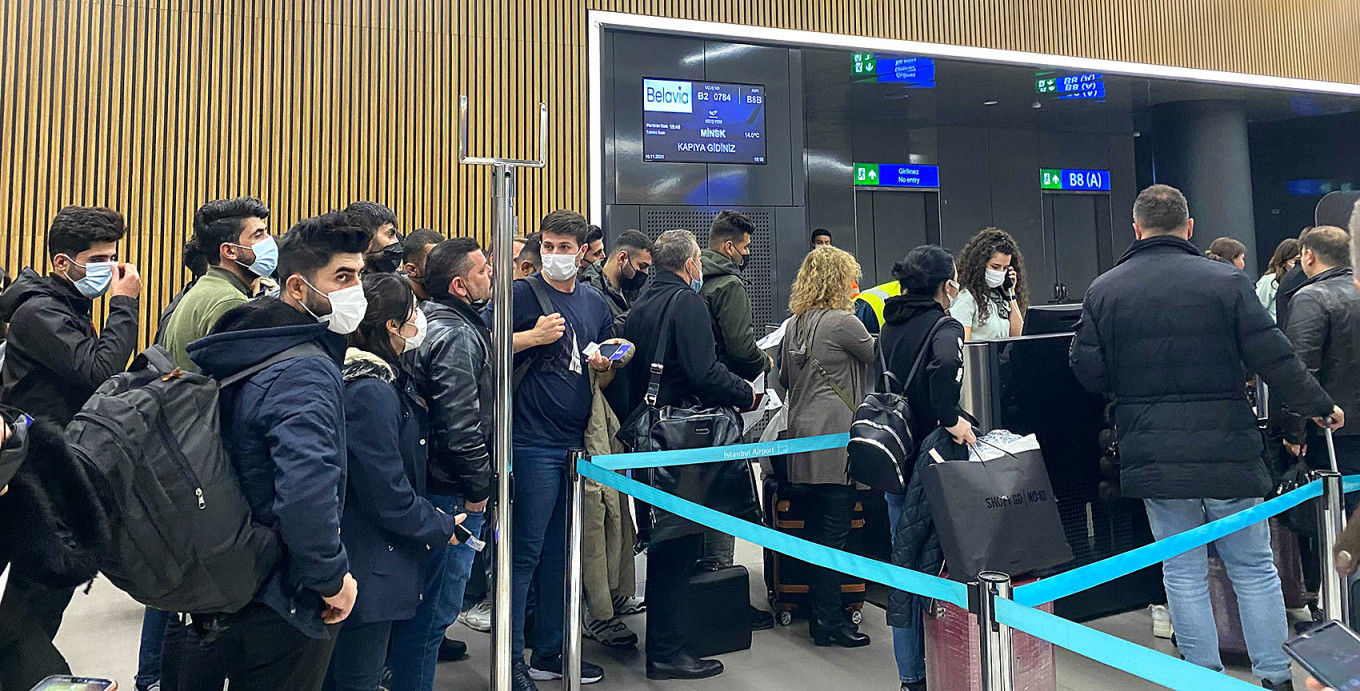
(1331,448)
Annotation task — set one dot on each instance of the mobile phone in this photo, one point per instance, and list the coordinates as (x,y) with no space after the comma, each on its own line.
(1330,653)
(15,449)
(615,351)
(65,683)
(465,537)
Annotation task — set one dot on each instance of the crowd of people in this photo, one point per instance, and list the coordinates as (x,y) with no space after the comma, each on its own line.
(357,403)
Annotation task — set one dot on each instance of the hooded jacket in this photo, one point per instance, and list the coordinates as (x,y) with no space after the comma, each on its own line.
(388,528)
(284,428)
(453,374)
(1324,327)
(933,395)
(54,360)
(1167,332)
(729,305)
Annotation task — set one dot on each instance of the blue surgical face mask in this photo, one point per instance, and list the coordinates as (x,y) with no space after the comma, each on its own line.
(697,283)
(98,277)
(266,256)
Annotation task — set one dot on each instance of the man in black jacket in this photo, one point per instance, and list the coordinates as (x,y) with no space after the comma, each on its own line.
(54,361)
(453,375)
(1168,331)
(691,370)
(1324,326)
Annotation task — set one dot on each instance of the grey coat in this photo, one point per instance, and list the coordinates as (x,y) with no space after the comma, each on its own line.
(845,350)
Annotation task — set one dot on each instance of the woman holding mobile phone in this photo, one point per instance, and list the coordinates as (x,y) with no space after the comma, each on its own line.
(994,297)
(388,526)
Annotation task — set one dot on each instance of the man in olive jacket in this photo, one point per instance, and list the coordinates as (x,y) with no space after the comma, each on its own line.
(729,246)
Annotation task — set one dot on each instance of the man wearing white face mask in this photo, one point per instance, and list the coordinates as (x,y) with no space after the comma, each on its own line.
(284,427)
(54,361)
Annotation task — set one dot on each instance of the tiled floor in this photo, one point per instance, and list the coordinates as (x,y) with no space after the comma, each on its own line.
(100,637)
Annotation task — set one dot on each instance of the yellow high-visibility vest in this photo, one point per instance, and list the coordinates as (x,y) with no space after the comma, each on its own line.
(877,295)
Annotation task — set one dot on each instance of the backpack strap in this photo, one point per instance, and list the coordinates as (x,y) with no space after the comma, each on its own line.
(889,378)
(545,306)
(308,349)
(659,356)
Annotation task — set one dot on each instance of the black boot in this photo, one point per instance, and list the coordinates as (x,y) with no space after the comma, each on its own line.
(841,633)
(683,666)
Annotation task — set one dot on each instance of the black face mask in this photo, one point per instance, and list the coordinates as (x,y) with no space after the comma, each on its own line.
(479,305)
(388,260)
(638,280)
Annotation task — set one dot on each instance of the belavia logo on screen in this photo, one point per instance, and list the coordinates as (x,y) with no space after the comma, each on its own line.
(667,96)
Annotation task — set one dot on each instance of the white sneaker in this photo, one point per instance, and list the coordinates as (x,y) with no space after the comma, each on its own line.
(625,606)
(478,618)
(1161,622)
(611,633)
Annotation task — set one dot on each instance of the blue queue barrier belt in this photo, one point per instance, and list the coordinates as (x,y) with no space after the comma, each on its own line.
(658,459)
(810,552)
(1115,652)
(1350,483)
(1120,565)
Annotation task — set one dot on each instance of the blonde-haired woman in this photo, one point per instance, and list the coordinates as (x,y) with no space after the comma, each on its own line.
(826,357)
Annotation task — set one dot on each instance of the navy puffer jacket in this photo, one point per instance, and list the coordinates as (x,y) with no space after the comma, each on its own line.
(1168,331)
(916,543)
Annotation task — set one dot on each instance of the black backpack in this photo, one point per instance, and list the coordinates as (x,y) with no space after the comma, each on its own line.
(183,536)
(881,449)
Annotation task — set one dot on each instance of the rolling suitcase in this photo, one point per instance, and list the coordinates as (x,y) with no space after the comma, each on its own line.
(1232,644)
(720,620)
(787,579)
(952,652)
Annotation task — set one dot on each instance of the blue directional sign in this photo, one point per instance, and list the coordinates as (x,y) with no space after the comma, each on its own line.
(1072,86)
(1074,180)
(914,72)
(897,175)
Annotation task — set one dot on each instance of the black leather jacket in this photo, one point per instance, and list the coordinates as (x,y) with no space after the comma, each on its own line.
(453,375)
(1324,326)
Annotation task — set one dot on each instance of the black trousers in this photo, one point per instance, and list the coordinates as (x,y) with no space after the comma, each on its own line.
(670,564)
(30,614)
(257,650)
(827,510)
(360,651)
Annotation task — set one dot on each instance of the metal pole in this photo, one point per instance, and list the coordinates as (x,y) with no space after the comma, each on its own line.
(575,587)
(502,230)
(1331,519)
(994,638)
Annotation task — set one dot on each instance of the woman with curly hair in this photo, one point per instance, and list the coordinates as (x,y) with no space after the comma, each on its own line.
(1285,257)
(994,298)
(827,353)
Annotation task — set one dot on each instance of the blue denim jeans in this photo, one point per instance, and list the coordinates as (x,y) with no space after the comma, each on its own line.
(414,650)
(149,654)
(1250,563)
(539,545)
(909,643)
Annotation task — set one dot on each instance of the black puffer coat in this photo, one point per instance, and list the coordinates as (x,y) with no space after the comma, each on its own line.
(1168,331)
(916,544)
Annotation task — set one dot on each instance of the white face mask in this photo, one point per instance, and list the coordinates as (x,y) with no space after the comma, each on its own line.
(995,277)
(410,344)
(559,267)
(348,306)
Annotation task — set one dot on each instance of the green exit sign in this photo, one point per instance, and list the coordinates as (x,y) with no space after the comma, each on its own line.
(866,174)
(1046,86)
(1050,179)
(864,63)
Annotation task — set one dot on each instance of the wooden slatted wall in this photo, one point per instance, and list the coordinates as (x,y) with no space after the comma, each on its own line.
(154,106)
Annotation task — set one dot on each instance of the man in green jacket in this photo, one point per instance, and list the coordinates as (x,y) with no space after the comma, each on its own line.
(232,234)
(729,246)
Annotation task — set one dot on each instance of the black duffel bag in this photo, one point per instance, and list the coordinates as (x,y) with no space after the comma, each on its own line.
(726,486)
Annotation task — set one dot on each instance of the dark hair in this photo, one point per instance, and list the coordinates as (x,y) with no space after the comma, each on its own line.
(389,297)
(1225,249)
(923,269)
(532,251)
(729,225)
(446,261)
(76,228)
(973,267)
(220,221)
(820,233)
(634,240)
(1287,251)
(312,243)
(566,222)
(1330,244)
(417,243)
(1160,210)
(371,215)
(194,259)
(594,233)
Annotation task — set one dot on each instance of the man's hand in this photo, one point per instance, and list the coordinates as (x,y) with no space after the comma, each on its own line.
(476,508)
(457,520)
(1296,450)
(338,606)
(1334,422)
(598,362)
(962,432)
(1316,685)
(126,281)
(548,329)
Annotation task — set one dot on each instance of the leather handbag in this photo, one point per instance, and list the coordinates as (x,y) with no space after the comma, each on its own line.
(726,486)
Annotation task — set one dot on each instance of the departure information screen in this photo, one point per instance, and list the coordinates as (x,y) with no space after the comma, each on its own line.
(897,175)
(1074,180)
(703,122)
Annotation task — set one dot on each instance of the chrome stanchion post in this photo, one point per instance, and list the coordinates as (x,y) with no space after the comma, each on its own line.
(994,638)
(1331,519)
(502,237)
(575,588)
